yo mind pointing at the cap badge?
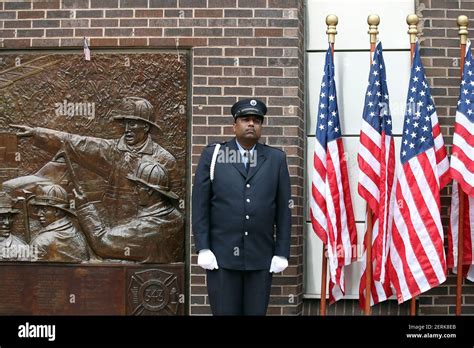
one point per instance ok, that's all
(253, 102)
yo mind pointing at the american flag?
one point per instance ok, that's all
(376, 176)
(331, 210)
(416, 252)
(462, 170)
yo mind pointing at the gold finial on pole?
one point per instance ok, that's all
(373, 20)
(462, 24)
(331, 21)
(412, 21)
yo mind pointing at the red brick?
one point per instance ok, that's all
(30, 14)
(133, 3)
(58, 14)
(133, 42)
(69, 42)
(148, 32)
(30, 32)
(162, 42)
(74, 4)
(16, 43)
(208, 13)
(118, 13)
(45, 43)
(104, 42)
(51, 4)
(88, 32)
(192, 41)
(16, 5)
(148, 13)
(163, 3)
(17, 24)
(221, 3)
(7, 33)
(269, 32)
(104, 3)
(46, 24)
(59, 32)
(104, 22)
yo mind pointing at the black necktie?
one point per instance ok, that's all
(247, 164)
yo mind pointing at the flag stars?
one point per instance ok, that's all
(322, 106)
(418, 68)
(413, 89)
(334, 113)
(323, 95)
(322, 116)
(422, 93)
(331, 98)
(413, 135)
(415, 125)
(415, 79)
(425, 128)
(321, 127)
(411, 145)
(422, 139)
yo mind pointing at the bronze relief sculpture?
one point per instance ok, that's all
(96, 188)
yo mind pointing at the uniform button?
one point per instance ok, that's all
(248, 185)
(248, 200)
(246, 233)
(247, 217)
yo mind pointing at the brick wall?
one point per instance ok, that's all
(440, 52)
(240, 48)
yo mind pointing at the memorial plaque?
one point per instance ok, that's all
(93, 181)
(91, 289)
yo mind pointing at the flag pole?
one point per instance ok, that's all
(373, 21)
(412, 21)
(331, 22)
(462, 22)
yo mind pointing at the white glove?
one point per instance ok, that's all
(207, 259)
(279, 264)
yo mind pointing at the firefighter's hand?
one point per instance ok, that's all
(79, 198)
(23, 131)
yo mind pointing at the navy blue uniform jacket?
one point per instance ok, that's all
(243, 218)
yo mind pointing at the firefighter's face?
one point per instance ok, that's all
(136, 132)
(144, 193)
(47, 215)
(5, 226)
